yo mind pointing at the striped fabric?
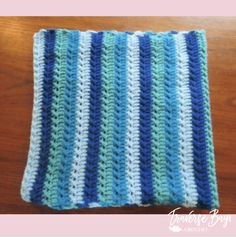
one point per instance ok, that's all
(120, 118)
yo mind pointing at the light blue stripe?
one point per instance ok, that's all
(185, 124)
(35, 137)
(82, 120)
(132, 132)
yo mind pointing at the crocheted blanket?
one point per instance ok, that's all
(120, 118)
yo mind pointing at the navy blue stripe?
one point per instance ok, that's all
(198, 123)
(145, 120)
(70, 119)
(36, 192)
(91, 172)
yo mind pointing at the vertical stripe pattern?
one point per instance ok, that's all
(120, 118)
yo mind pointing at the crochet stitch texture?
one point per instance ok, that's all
(120, 118)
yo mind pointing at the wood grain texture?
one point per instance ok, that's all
(16, 97)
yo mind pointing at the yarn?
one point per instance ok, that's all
(120, 118)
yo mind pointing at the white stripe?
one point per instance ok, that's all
(82, 120)
(132, 134)
(35, 137)
(185, 123)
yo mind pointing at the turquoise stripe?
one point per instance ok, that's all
(119, 124)
(64, 200)
(171, 122)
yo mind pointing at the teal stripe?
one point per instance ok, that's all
(107, 115)
(161, 191)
